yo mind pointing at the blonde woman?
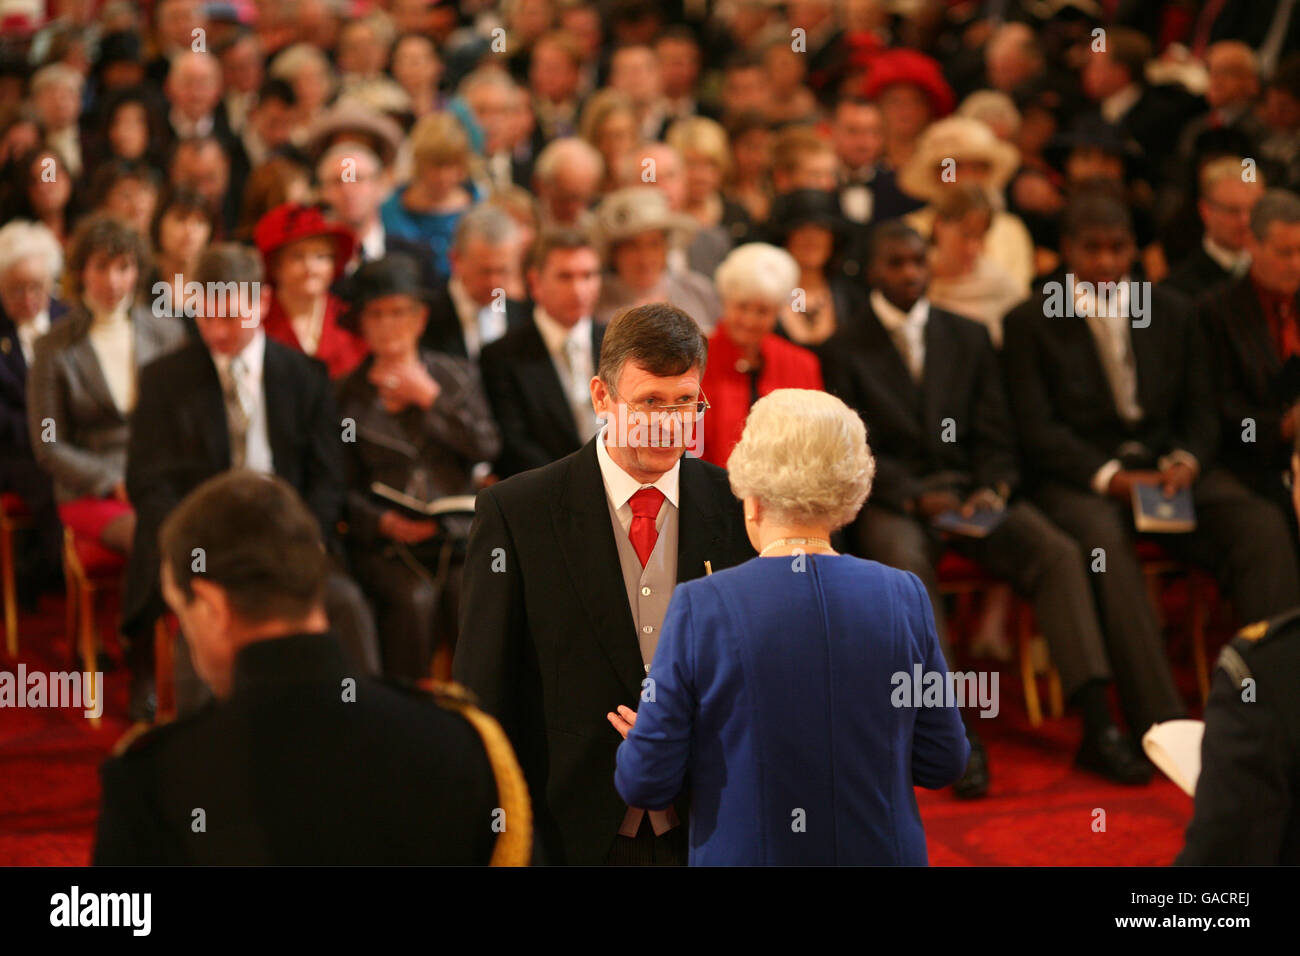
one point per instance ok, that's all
(427, 208)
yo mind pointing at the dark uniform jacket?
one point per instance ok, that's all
(291, 769)
(1246, 796)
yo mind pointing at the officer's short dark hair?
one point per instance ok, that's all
(659, 337)
(1092, 205)
(252, 535)
(882, 234)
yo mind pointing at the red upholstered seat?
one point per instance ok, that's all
(958, 567)
(1149, 550)
(96, 560)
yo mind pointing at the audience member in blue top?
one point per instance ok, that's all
(775, 687)
(428, 208)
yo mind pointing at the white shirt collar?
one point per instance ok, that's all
(894, 318)
(620, 486)
(1228, 260)
(467, 309)
(252, 355)
(556, 335)
(29, 332)
(1120, 102)
(372, 243)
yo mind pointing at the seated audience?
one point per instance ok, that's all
(635, 230)
(81, 391)
(411, 781)
(1251, 321)
(1114, 391)
(538, 375)
(928, 385)
(1227, 199)
(422, 424)
(809, 225)
(427, 208)
(759, 668)
(472, 310)
(30, 263)
(747, 359)
(964, 279)
(303, 253)
(181, 230)
(233, 398)
(964, 150)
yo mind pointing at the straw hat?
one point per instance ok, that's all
(962, 139)
(633, 210)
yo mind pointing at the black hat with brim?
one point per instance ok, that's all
(394, 274)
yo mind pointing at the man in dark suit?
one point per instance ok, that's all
(1246, 807)
(234, 399)
(568, 577)
(1253, 333)
(1153, 115)
(928, 387)
(303, 761)
(353, 184)
(1227, 199)
(30, 261)
(1110, 387)
(537, 375)
(194, 91)
(470, 311)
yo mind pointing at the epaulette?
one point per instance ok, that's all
(514, 846)
(1232, 657)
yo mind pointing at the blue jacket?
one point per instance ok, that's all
(771, 691)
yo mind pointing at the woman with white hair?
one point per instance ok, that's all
(30, 262)
(778, 685)
(747, 359)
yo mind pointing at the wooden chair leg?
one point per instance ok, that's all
(86, 634)
(1055, 699)
(10, 589)
(1025, 651)
(164, 674)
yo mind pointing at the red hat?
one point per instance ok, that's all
(290, 222)
(891, 67)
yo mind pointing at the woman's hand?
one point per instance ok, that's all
(404, 384)
(623, 721)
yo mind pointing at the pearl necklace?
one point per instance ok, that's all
(780, 541)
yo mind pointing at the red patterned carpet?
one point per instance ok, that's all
(1040, 811)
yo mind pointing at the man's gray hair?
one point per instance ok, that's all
(490, 224)
(563, 152)
(1276, 205)
(21, 240)
(229, 262)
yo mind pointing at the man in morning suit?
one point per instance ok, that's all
(1247, 812)
(929, 388)
(568, 577)
(1253, 332)
(470, 310)
(537, 377)
(234, 399)
(1110, 387)
(300, 762)
(1225, 206)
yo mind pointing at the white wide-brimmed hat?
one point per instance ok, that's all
(959, 138)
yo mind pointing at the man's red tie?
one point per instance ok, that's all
(645, 508)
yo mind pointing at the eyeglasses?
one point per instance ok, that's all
(687, 410)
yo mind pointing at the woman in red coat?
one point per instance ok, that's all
(304, 254)
(747, 359)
